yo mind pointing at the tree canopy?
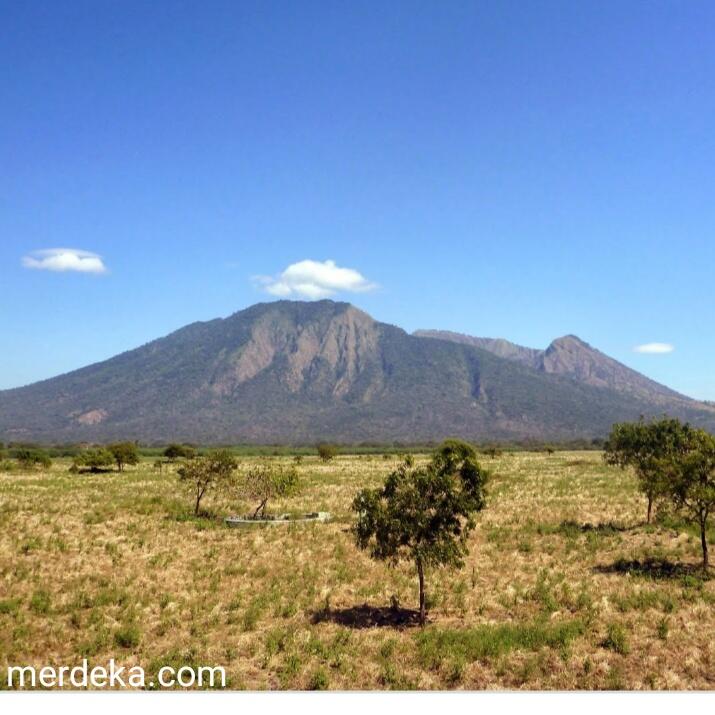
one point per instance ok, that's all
(645, 446)
(690, 479)
(177, 451)
(124, 453)
(93, 460)
(32, 457)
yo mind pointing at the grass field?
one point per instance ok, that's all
(564, 586)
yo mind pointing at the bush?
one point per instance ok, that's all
(93, 460)
(40, 602)
(616, 639)
(326, 452)
(177, 451)
(318, 681)
(29, 458)
(128, 637)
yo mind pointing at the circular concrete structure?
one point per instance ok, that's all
(241, 521)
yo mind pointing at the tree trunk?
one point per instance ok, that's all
(650, 506)
(704, 543)
(421, 575)
(198, 501)
(261, 507)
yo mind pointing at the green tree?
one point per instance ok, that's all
(214, 470)
(189, 452)
(93, 460)
(124, 453)
(178, 451)
(326, 452)
(423, 514)
(29, 457)
(644, 446)
(267, 481)
(691, 483)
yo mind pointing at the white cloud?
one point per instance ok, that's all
(313, 280)
(654, 348)
(64, 259)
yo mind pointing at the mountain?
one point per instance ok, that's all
(296, 372)
(574, 358)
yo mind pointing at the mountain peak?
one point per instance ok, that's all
(569, 341)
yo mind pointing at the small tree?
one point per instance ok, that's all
(177, 451)
(423, 514)
(189, 452)
(691, 483)
(267, 481)
(211, 471)
(644, 446)
(326, 452)
(124, 453)
(93, 460)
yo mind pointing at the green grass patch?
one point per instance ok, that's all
(436, 646)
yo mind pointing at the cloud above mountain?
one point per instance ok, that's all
(654, 348)
(314, 280)
(64, 259)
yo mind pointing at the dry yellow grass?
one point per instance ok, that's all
(551, 596)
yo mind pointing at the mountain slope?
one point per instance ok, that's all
(297, 372)
(572, 357)
(497, 346)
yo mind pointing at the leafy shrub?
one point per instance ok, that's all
(128, 636)
(29, 458)
(616, 639)
(326, 452)
(177, 451)
(40, 602)
(318, 681)
(93, 460)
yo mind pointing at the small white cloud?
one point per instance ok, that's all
(654, 348)
(314, 280)
(64, 259)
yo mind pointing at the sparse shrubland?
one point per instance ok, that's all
(563, 587)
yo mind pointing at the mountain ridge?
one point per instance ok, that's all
(292, 371)
(569, 355)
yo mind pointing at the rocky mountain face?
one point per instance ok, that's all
(297, 372)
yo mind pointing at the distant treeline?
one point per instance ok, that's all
(12, 449)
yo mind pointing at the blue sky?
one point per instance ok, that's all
(512, 169)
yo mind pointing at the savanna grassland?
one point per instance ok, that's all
(565, 587)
